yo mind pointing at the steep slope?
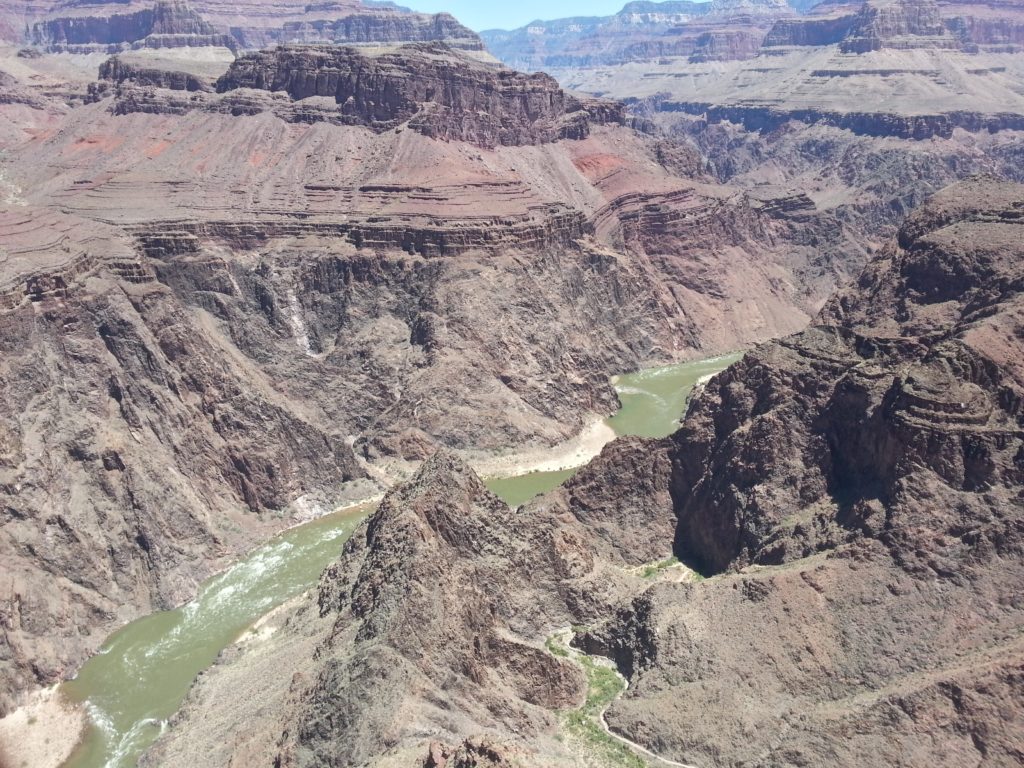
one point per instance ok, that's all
(864, 479)
(136, 456)
(418, 249)
(430, 628)
(853, 493)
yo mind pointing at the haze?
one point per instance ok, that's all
(480, 16)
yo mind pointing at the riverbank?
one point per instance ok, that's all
(573, 453)
(137, 682)
(42, 733)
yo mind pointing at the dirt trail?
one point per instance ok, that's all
(565, 637)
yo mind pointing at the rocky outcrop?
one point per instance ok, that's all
(416, 619)
(378, 28)
(442, 94)
(857, 487)
(115, 71)
(431, 627)
(167, 24)
(905, 24)
(810, 31)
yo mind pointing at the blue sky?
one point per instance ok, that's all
(493, 14)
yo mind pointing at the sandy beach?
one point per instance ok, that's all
(42, 733)
(574, 452)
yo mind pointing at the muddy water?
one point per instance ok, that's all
(651, 403)
(142, 673)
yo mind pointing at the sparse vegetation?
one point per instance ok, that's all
(654, 569)
(603, 687)
(555, 648)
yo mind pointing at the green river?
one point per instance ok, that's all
(651, 402)
(142, 673)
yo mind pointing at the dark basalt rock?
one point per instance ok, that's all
(114, 70)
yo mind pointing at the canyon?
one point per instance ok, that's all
(260, 261)
(237, 301)
(856, 487)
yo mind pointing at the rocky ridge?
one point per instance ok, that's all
(711, 31)
(858, 488)
(906, 68)
(431, 88)
(433, 622)
(166, 24)
(853, 494)
(241, 269)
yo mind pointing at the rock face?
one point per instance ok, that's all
(114, 70)
(446, 96)
(859, 488)
(134, 457)
(93, 25)
(166, 24)
(854, 494)
(717, 31)
(433, 621)
(349, 292)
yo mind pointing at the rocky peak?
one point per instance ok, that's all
(428, 604)
(905, 399)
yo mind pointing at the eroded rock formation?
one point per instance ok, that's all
(347, 291)
(859, 487)
(94, 25)
(434, 620)
(853, 494)
(447, 96)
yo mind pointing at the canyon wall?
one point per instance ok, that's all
(851, 494)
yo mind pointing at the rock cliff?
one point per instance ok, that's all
(445, 95)
(166, 24)
(430, 629)
(94, 25)
(858, 487)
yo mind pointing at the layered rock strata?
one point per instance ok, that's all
(82, 27)
(858, 489)
(166, 24)
(853, 494)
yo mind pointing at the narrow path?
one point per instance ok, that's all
(632, 744)
(565, 637)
